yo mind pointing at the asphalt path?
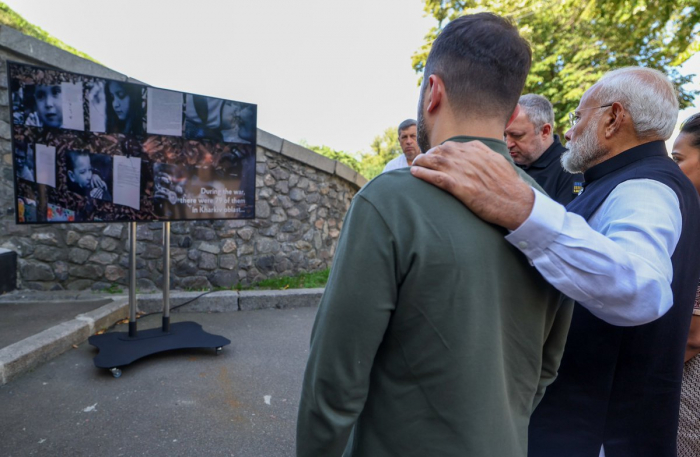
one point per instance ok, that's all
(189, 402)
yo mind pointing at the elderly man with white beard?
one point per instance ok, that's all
(625, 249)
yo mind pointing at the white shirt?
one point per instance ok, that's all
(396, 163)
(618, 264)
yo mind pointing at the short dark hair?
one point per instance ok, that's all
(73, 158)
(691, 126)
(483, 62)
(406, 124)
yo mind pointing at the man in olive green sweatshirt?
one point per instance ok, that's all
(435, 337)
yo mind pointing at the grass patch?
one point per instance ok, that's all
(11, 19)
(311, 280)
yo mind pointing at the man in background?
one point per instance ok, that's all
(535, 148)
(409, 146)
(434, 337)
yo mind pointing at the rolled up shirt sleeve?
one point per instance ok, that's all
(618, 267)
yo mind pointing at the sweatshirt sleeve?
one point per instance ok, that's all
(350, 324)
(554, 348)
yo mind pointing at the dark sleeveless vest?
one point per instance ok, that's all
(620, 386)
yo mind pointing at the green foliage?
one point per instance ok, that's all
(11, 19)
(340, 156)
(384, 148)
(311, 280)
(113, 289)
(575, 42)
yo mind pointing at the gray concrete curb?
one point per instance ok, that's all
(29, 353)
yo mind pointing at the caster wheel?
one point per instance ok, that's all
(116, 372)
(219, 350)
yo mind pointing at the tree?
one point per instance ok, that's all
(384, 148)
(340, 156)
(575, 42)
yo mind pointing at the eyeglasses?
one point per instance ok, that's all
(574, 118)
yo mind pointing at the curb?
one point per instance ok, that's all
(230, 301)
(35, 350)
(30, 352)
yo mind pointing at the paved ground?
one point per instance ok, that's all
(22, 319)
(182, 403)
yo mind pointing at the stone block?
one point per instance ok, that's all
(36, 271)
(114, 273)
(269, 141)
(204, 234)
(229, 246)
(210, 248)
(48, 253)
(262, 209)
(89, 271)
(264, 246)
(264, 299)
(104, 258)
(345, 172)
(88, 242)
(207, 261)
(109, 244)
(228, 261)
(47, 238)
(224, 278)
(72, 237)
(196, 282)
(246, 233)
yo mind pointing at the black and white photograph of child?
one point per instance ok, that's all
(97, 105)
(124, 108)
(238, 122)
(219, 120)
(89, 175)
(17, 94)
(169, 187)
(44, 104)
(24, 161)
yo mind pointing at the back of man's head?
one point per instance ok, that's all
(647, 95)
(538, 109)
(483, 62)
(406, 124)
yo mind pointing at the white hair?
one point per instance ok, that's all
(645, 93)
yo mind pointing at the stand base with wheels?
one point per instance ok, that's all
(119, 349)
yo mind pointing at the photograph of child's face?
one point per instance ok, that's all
(120, 101)
(24, 158)
(89, 175)
(81, 174)
(49, 105)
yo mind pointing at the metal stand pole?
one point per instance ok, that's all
(132, 279)
(118, 349)
(166, 277)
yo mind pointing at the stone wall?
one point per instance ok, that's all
(301, 199)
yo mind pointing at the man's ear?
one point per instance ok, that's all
(546, 130)
(516, 111)
(436, 91)
(614, 122)
(71, 175)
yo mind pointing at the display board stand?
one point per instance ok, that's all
(118, 348)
